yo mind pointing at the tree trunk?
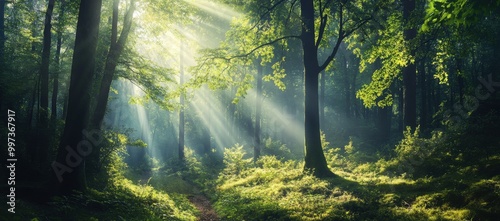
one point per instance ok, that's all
(315, 159)
(34, 27)
(55, 86)
(43, 140)
(400, 108)
(347, 85)
(114, 53)
(44, 69)
(65, 104)
(181, 113)
(322, 100)
(82, 72)
(423, 96)
(258, 111)
(115, 50)
(409, 72)
(460, 80)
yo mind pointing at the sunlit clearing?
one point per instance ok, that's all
(214, 8)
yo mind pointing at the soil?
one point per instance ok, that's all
(205, 207)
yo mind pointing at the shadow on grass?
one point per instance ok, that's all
(455, 194)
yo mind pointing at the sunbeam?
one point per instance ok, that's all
(215, 8)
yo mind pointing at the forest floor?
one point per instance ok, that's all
(204, 205)
(278, 189)
(199, 200)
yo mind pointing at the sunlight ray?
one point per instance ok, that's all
(277, 117)
(214, 8)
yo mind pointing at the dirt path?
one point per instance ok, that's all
(205, 207)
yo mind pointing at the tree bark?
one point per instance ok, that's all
(347, 87)
(181, 113)
(314, 159)
(44, 69)
(258, 111)
(322, 100)
(43, 115)
(55, 86)
(423, 96)
(409, 72)
(82, 72)
(114, 53)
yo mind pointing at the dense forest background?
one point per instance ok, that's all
(250, 110)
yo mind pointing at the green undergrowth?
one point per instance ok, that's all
(367, 187)
(116, 194)
(421, 178)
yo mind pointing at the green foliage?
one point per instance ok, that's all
(456, 12)
(392, 51)
(275, 190)
(234, 159)
(277, 148)
(154, 80)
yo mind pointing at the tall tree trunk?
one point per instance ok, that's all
(43, 140)
(409, 72)
(423, 96)
(82, 72)
(460, 79)
(65, 105)
(55, 88)
(400, 108)
(258, 111)
(44, 68)
(181, 113)
(115, 50)
(114, 53)
(314, 159)
(356, 108)
(347, 85)
(34, 25)
(429, 94)
(207, 144)
(322, 100)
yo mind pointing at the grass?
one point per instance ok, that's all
(437, 185)
(366, 189)
(125, 201)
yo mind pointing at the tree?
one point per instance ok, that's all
(55, 86)
(182, 103)
(44, 85)
(409, 71)
(82, 72)
(116, 48)
(258, 113)
(114, 53)
(44, 68)
(323, 24)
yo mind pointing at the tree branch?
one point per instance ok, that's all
(258, 47)
(339, 40)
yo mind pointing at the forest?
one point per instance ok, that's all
(250, 110)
